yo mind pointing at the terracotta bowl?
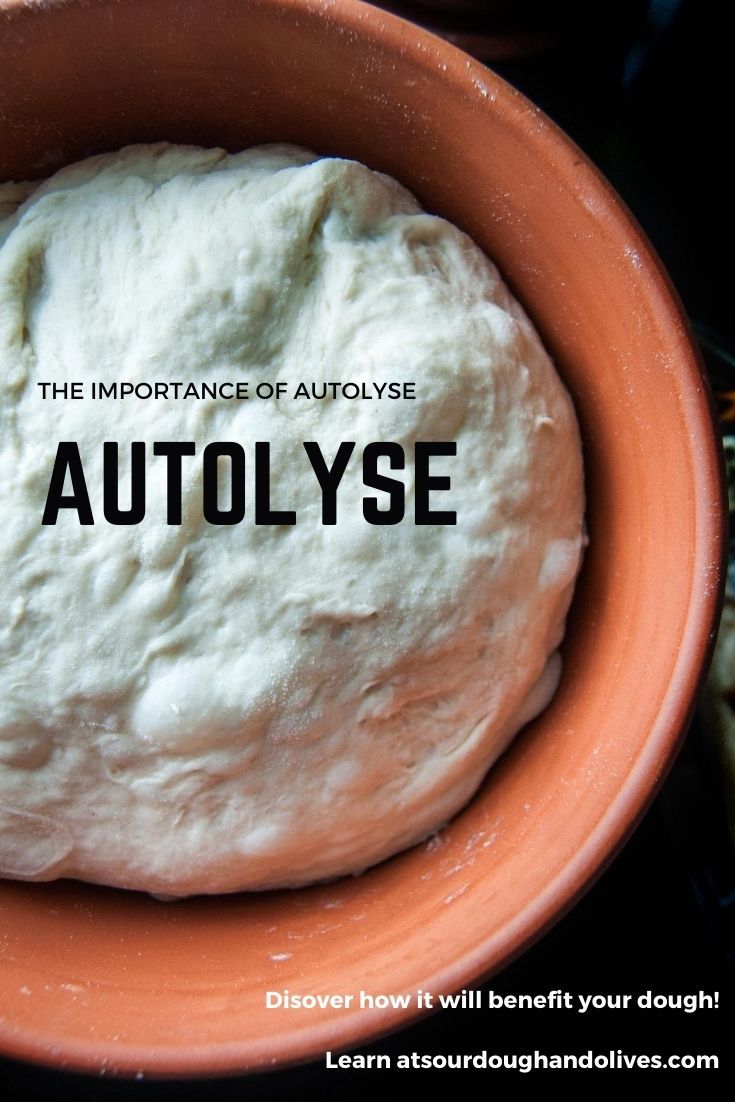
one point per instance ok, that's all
(97, 978)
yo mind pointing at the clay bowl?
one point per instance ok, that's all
(97, 978)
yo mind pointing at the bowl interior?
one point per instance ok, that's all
(101, 978)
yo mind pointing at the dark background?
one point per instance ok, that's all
(644, 88)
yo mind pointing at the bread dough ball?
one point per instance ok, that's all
(206, 708)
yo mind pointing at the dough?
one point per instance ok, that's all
(207, 708)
